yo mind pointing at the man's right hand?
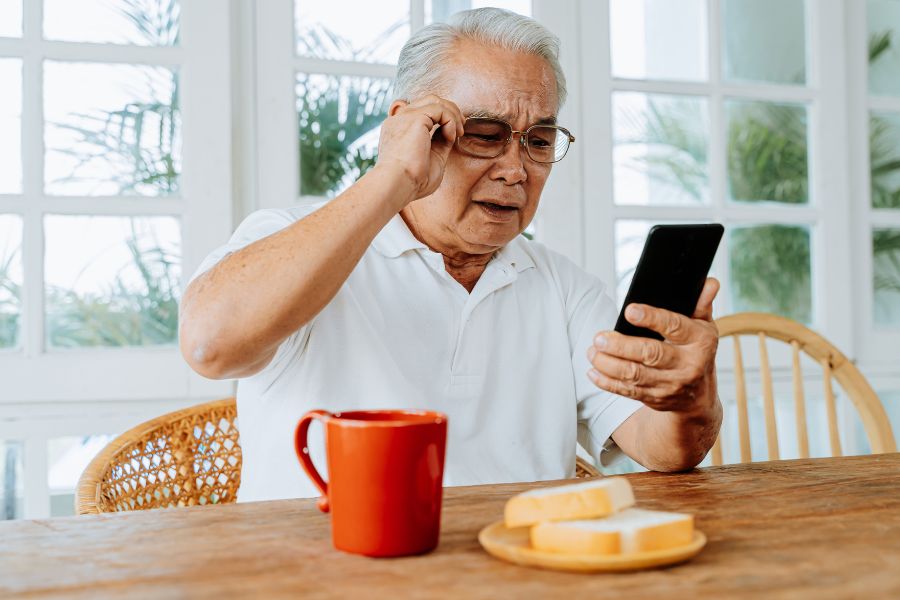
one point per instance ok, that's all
(417, 138)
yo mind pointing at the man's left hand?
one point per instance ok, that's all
(668, 375)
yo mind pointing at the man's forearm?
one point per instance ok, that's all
(672, 440)
(234, 316)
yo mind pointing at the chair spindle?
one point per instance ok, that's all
(830, 408)
(768, 399)
(741, 385)
(800, 403)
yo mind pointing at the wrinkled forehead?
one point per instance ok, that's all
(493, 82)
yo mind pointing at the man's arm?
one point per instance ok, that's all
(675, 379)
(234, 316)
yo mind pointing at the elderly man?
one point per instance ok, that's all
(414, 289)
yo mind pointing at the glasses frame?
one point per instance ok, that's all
(522, 135)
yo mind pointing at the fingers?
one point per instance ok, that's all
(704, 304)
(672, 326)
(444, 114)
(652, 353)
(635, 374)
(647, 395)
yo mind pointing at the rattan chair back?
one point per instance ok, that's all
(183, 458)
(835, 366)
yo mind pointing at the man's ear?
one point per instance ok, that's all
(396, 105)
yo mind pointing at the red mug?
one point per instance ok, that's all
(386, 470)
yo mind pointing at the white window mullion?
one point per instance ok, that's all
(206, 114)
(717, 159)
(829, 175)
(883, 217)
(597, 160)
(873, 348)
(737, 214)
(416, 15)
(35, 469)
(32, 323)
(560, 219)
(207, 174)
(110, 53)
(276, 106)
(884, 104)
(112, 205)
(770, 93)
(11, 48)
(303, 64)
(244, 86)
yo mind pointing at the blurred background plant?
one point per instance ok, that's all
(10, 297)
(338, 122)
(338, 118)
(767, 162)
(125, 313)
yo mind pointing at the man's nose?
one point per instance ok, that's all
(510, 165)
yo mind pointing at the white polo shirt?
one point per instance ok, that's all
(506, 363)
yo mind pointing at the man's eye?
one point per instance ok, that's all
(538, 143)
(484, 137)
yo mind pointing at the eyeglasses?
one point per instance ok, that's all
(487, 138)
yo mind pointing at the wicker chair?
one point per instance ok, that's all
(183, 458)
(834, 366)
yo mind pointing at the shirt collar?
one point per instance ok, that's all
(515, 254)
(396, 238)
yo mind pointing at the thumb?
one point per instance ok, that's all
(703, 309)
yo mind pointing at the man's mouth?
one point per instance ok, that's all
(496, 207)
(500, 213)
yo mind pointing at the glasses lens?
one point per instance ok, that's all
(484, 137)
(547, 144)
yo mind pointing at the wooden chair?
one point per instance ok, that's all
(183, 458)
(834, 366)
(584, 469)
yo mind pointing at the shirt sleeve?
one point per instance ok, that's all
(599, 412)
(256, 226)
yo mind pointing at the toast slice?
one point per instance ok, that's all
(632, 530)
(597, 498)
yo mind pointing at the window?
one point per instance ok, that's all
(342, 71)
(715, 129)
(115, 184)
(883, 29)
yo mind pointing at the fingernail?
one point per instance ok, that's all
(600, 342)
(591, 353)
(593, 374)
(635, 313)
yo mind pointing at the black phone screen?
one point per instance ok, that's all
(671, 271)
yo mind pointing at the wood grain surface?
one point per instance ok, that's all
(820, 528)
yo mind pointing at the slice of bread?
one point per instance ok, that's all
(632, 530)
(597, 498)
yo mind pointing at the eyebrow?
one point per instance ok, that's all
(486, 114)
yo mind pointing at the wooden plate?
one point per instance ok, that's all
(514, 546)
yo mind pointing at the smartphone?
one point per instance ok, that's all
(671, 271)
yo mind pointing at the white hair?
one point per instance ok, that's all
(419, 69)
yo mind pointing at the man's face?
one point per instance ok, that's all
(521, 90)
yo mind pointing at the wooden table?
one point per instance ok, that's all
(811, 528)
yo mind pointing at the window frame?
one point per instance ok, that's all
(878, 348)
(51, 392)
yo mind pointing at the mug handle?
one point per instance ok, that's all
(303, 454)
